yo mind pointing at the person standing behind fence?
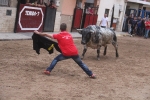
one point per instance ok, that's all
(133, 26)
(104, 21)
(130, 18)
(143, 27)
(50, 3)
(147, 28)
(138, 31)
(124, 23)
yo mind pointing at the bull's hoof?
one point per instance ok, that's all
(98, 59)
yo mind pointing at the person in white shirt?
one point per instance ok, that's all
(104, 21)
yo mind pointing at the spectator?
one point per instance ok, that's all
(104, 21)
(31, 1)
(129, 20)
(133, 26)
(49, 3)
(124, 23)
(41, 3)
(138, 31)
(36, 2)
(143, 27)
(147, 28)
(88, 10)
(52, 4)
(92, 11)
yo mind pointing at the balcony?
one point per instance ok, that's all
(144, 2)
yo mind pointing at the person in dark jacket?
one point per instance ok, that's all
(138, 31)
(143, 27)
(133, 26)
(68, 48)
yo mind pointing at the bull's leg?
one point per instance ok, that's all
(98, 52)
(84, 51)
(105, 50)
(116, 48)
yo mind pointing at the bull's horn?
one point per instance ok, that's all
(79, 29)
(91, 31)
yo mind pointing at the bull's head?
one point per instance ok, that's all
(86, 35)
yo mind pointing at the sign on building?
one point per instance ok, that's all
(30, 18)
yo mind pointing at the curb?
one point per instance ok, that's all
(28, 36)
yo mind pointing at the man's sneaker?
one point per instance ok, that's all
(93, 76)
(47, 72)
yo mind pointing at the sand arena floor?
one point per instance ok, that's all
(123, 78)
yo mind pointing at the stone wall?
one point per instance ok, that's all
(7, 21)
(68, 20)
(13, 3)
(57, 22)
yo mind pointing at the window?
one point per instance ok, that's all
(8, 12)
(4, 2)
(107, 11)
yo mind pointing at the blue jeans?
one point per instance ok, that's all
(146, 33)
(75, 58)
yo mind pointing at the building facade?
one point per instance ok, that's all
(8, 10)
(121, 8)
(16, 14)
(65, 13)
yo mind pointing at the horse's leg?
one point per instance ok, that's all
(116, 48)
(84, 51)
(98, 52)
(105, 50)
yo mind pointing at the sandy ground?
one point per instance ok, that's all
(123, 78)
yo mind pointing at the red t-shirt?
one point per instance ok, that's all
(66, 44)
(147, 24)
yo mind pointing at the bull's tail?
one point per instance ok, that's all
(114, 43)
(115, 37)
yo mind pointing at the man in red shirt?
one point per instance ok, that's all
(68, 48)
(147, 28)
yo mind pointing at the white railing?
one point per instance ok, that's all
(147, 2)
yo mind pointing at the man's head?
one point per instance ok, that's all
(63, 27)
(139, 17)
(135, 17)
(105, 15)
